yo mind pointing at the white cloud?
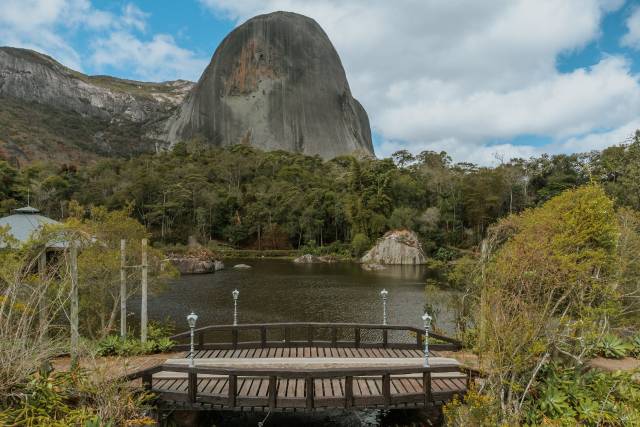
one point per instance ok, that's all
(159, 58)
(119, 41)
(632, 37)
(460, 74)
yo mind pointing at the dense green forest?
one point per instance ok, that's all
(279, 200)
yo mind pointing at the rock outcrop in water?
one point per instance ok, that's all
(276, 83)
(396, 247)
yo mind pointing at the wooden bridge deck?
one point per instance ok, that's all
(271, 376)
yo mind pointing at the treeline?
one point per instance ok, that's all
(278, 200)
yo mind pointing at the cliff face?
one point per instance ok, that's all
(276, 83)
(50, 112)
(32, 76)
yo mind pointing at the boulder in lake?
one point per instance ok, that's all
(313, 259)
(193, 265)
(396, 247)
(242, 267)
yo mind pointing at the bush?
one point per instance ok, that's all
(570, 396)
(73, 399)
(612, 347)
(158, 341)
(359, 244)
(635, 346)
(446, 254)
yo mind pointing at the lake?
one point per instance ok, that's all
(283, 291)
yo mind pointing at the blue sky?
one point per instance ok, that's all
(480, 80)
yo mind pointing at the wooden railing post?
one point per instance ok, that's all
(348, 392)
(200, 341)
(426, 387)
(147, 381)
(263, 337)
(234, 338)
(193, 386)
(334, 336)
(287, 338)
(386, 389)
(357, 337)
(233, 386)
(272, 392)
(310, 335)
(308, 382)
(385, 338)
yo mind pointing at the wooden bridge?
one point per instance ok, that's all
(308, 366)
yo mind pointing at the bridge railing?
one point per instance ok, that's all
(306, 396)
(310, 334)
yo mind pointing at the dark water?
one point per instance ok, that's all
(282, 291)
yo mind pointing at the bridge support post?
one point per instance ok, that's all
(357, 337)
(193, 386)
(308, 383)
(273, 392)
(426, 387)
(233, 390)
(348, 392)
(200, 340)
(385, 338)
(386, 390)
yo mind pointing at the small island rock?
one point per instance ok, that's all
(396, 247)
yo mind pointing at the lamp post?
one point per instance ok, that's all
(383, 294)
(427, 324)
(235, 294)
(191, 319)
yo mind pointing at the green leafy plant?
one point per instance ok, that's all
(635, 346)
(612, 347)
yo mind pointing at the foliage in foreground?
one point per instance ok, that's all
(72, 398)
(158, 341)
(551, 283)
(563, 396)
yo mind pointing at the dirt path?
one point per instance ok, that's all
(106, 368)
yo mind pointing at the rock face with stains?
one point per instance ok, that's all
(396, 247)
(276, 83)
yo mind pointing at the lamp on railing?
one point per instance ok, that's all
(383, 294)
(427, 324)
(235, 294)
(192, 319)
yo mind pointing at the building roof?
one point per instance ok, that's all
(26, 221)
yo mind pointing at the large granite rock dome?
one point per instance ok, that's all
(276, 82)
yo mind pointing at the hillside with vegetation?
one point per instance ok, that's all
(277, 200)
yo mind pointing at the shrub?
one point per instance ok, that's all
(635, 346)
(73, 399)
(612, 347)
(359, 244)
